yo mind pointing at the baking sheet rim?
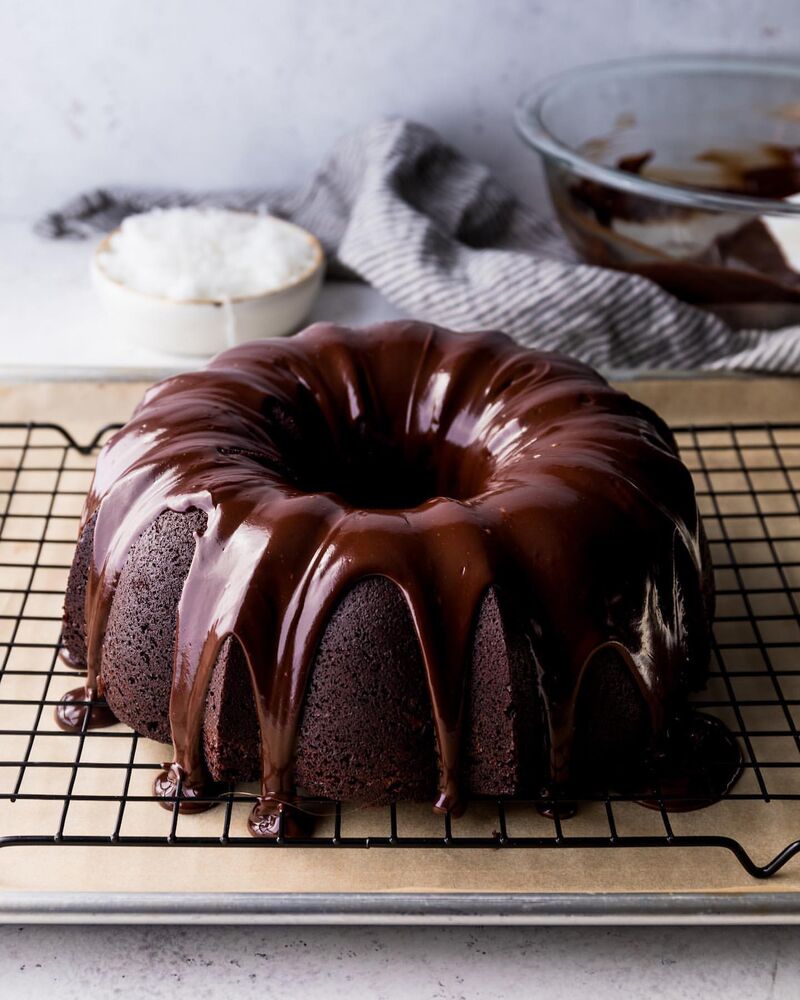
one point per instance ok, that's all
(401, 908)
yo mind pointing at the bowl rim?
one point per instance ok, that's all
(531, 128)
(313, 269)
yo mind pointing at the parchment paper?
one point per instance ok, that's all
(763, 828)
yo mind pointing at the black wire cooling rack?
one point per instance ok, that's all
(94, 787)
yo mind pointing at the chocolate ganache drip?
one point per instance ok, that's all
(447, 463)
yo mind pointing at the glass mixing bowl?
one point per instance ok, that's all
(681, 169)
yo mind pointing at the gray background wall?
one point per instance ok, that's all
(224, 92)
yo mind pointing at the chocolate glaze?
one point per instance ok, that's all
(194, 798)
(696, 763)
(72, 711)
(446, 462)
(69, 660)
(562, 808)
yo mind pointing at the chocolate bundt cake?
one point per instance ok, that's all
(389, 563)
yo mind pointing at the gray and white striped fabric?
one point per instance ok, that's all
(442, 240)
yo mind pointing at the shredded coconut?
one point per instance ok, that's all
(206, 253)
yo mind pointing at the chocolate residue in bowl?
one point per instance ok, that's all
(707, 258)
(769, 171)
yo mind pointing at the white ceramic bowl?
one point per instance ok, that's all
(206, 326)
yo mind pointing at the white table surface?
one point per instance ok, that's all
(50, 320)
(404, 963)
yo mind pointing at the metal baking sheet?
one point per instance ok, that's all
(669, 885)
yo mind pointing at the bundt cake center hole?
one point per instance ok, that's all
(379, 476)
(385, 484)
(366, 463)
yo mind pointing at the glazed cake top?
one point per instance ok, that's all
(448, 463)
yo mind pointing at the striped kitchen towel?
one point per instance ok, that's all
(434, 232)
